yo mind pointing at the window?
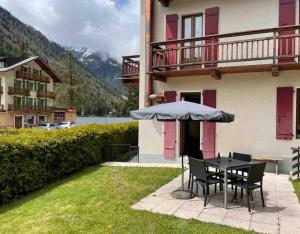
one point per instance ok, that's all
(31, 119)
(42, 119)
(24, 84)
(2, 64)
(35, 87)
(192, 26)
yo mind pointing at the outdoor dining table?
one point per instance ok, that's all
(224, 165)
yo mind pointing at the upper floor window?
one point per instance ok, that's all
(192, 26)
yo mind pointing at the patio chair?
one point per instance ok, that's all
(241, 157)
(251, 182)
(197, 155)
(202, 177)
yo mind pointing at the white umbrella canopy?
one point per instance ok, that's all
(181, 111)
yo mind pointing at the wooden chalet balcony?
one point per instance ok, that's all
(28, 108)
(18, 91)
(45, 94)
(131, 70)
(271, 50)
(29, 76)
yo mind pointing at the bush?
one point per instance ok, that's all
(31, 158)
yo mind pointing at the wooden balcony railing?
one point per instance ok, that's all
(29, 108)
(18, 91)
(131, 66)
(29, 76)
(267, 46)
(45, 94)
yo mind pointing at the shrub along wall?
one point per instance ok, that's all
(31, 158)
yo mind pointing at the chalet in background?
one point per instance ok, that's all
(27, 96)
(240, 56)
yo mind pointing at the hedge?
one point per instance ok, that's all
(32, 158)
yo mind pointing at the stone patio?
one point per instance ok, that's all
(281, 215)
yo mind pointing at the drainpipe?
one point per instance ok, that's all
(148, 39)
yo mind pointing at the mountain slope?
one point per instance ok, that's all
(91, 94)
(100, 64)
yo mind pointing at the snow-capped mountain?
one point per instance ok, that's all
(99, 63)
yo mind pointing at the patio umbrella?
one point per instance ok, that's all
(182, 111)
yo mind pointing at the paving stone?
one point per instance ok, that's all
(264, 228)
(238, 223)
(186, 214)
(193, 205)
(211, 218)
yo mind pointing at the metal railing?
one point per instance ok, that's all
(121, 152)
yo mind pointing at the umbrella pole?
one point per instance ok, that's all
(182, 193)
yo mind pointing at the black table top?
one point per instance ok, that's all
(225, 164)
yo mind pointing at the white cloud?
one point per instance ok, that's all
(101, 25)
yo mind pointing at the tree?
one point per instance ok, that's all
(133, 99)
(23, 50)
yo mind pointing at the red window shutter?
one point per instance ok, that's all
(287, 17)
(211, 28)
(209, 129)
(284, 116)
(170, 130)
(171, 34)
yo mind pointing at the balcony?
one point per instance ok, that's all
(18, 91)
(28, 108)
(131, 70)
(250, 51)
(45, 94)
(29, 76)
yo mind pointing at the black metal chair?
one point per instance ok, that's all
(197, 155)
(241, 157)
(202, 177)
(252, 181)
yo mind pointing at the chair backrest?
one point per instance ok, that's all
(242, 157)
(256, 173)
(198, 154)
(198, 168)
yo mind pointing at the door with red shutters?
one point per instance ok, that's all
(284, 113)
(211, 28)
(170, 130)
(209, 129)
(171, 34)
(287, 17)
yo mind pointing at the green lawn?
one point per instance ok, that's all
(98, 200)
(296, 184)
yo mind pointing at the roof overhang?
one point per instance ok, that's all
(40, 62)
(165, 2)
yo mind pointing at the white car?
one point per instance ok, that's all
(66, 124)
(47, 126)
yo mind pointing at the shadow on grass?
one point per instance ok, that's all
(13, 204)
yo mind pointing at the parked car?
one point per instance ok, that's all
(66, 124)
(48, 126)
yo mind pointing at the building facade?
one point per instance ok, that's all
(27, 96)
(239, 56)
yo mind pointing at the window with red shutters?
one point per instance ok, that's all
(284, 116)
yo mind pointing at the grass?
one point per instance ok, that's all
(98, 200)
(296, 184)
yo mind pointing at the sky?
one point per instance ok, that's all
(109, 26)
